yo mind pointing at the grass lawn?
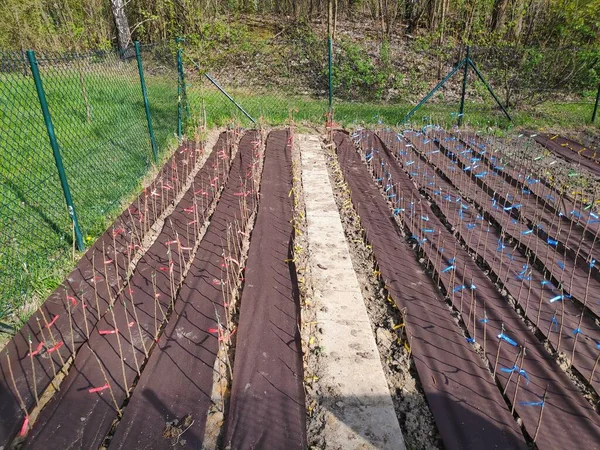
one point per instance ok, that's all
(275, 109)
(98, 114)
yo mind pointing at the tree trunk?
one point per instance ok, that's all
(330, 19)
(498, 14)
(432, 7)
(519, 10)
(123, 33)
(381, 11)
(441, 40)
(335, 17)
(469, 23)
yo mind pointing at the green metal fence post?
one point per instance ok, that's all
(330, 59)
(461, 113)
(138, 56)
(186, 106)
(180, 88)
(596, 106)
(55, 149)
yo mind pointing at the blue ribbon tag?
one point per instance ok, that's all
(505, 338)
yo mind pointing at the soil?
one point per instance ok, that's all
(175, 429)
(315, 421)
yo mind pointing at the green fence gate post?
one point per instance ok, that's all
(461, 113)
(55, 149)
(138, 56)
(596, 105)
(180, 88)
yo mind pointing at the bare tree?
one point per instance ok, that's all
(123, 33)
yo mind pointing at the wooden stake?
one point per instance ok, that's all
(52, 363)
(512, 372)
(118, 333)
(14, 383)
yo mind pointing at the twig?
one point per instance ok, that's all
(498, 354)
(112, 395)
(539, 423)
(35, 392)
(523, 352)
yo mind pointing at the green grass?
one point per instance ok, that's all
(275, 109)
(103, 137)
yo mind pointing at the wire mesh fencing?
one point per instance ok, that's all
(96, 105)
(558, 85)
(371, 83)
(379, 82)
(382, 81)
(278, 82)
(161, 74)
(285, 78)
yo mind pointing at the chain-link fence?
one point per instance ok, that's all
(97, 109)
(556, 84)
(273, 82)
(376, 81)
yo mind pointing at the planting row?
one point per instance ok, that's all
(199, 325)
(144, 356)
(491, 233)
(41, 348)
(571, 151)
(448, 368)
(107, 368)
(530, 383)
